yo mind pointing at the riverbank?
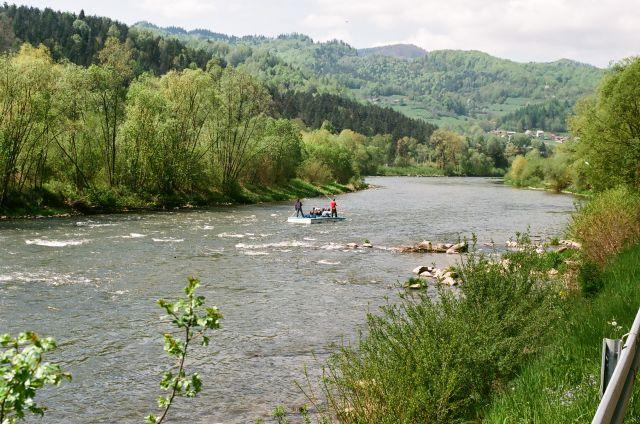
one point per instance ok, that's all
(562, 384)
(50, 203)
(521, 338)
(549, 189)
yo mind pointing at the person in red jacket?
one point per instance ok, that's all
(334, 210)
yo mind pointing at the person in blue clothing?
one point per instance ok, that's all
(298, 207)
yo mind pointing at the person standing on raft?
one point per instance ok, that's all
(334, 210)
(298, 207)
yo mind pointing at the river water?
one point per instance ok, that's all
(289, 293)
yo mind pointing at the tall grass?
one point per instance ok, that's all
(439, 361)
(561, 386)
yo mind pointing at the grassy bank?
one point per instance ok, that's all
(562, 384)
(56, 201)
(519, 341)
(441, 360)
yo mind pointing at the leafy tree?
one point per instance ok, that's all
(191, 317)
(283, 156)
(236, 129)
(26, 115)
(108, 91)
(163, 130)
(608, 126)
(22, 372)
(449, 148)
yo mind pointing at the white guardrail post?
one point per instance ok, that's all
(616, 396)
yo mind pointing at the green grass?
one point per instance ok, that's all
(561, 385)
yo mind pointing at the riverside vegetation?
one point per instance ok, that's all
(517, 343)
(103, 116)
(604, 153)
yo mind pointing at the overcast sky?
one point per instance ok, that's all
(592, 31)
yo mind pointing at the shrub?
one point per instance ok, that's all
(590, 279)
(438, 361)
(23, 372)
(609, 223)
(315, 171)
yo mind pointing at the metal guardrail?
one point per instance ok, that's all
(613, 404)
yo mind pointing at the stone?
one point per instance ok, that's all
(440, 248)
(450, 274)
(426, 274)
(553, 271)
(420, 269)
(416, 286)
(562, 249)
(572, 244)
(450, 281)
(368, 245)
(352, 245)
(458, 248)
(425, 245)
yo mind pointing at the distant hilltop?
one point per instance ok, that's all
(400, 51)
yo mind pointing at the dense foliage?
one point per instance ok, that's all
(344, 113)
(80, 38)
(95, 134)
(469, 86)
(550, 115)
(606, 150)
(438, 361)
(562, 384)
(608, 224)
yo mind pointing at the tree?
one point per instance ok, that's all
(284, 154)
(448, 147)
(26, 117)
(79, 158)
(22, 372)
(235, 130)
(608, 126)
(163, 130)
(109, 83)
(190, 316)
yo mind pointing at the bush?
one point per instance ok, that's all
(438, 361)
(561, 384)
(315, 171)
(590, 279)
(609, 223)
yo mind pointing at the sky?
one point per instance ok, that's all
(592, 31)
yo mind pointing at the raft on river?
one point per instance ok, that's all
(314, 219)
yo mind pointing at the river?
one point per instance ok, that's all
(288, 293)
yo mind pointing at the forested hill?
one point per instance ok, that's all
(79, 37)
(401, 51)
(450, 87)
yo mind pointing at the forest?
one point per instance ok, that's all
(99, 115)
(460, 89)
